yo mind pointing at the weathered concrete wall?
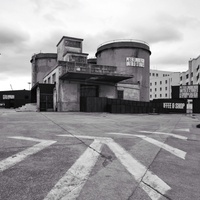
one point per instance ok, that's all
(131, 92)
(41, 65)
(69, 96)
(107, 91)
(115, 54)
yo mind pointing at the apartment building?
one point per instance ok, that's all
(161, 82)
(191, 76)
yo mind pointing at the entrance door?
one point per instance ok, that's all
(46, 102)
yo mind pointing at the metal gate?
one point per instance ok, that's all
(46, 102)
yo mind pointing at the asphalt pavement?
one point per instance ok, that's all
(98, 156)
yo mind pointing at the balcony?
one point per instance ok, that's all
(83, 71)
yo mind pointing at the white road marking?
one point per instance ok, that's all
(16, 158)
(70, 185)
(177, 152)
(140, 172)
(169, 134)
(184, 130)
(146, 179)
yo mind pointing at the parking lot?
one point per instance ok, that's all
(71, 155)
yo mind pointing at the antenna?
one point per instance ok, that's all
(11, 87)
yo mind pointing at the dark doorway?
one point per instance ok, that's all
(46, 102)
(89, 91)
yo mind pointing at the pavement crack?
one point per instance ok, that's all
(79, 139)
(156, 190)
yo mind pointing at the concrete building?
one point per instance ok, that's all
(191, 76)
(130, 57)
(161, 83)
(120, 70)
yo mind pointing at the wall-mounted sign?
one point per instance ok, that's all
(5, 96)
(170, 105)
(134, 62)
(188, 91)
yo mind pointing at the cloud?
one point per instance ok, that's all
(12, 35)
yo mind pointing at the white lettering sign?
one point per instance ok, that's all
(5, 96)
(188, 91)
(169, 105)
(135, 62)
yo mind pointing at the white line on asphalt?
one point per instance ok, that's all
(70, 185)
(177, 152)
(169, 134)
(16, 158)
(146, 179)
(86, 137)
(140, 172)
(183, 129)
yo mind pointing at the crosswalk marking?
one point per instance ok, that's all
(149, 182)
(16, 158)
(177, 152)
(169, 134)
(70, 185)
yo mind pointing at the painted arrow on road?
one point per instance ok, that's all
(16, 158)
(70, 185)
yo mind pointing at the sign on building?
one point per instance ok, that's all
(134, 62)
(170, 105)
(188, 91)
(5, 96)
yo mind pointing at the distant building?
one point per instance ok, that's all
(192, 75)
(161, 83)
(14, 98)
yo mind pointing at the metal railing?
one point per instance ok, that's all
(123, 40)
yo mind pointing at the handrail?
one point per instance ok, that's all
(123, 40)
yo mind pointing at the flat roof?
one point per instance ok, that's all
(93, 77)
(71, 38)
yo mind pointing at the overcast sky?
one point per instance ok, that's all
(170, 27)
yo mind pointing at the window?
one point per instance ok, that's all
(160, 95)
(198, 68)
(165, 88)
(165, 81)
(49, 80)
(120, 94)
(153, 74)
(155, 95)
(150, 84)
(165, 94)
(187, 83)
(191, 74)
(155, 89)
(160, 82)
(150, 96)
(54, 78)
(150, 90)
(198, 77)
(156, 74)
(155, 83)
(187, 75)
(160, 89)
(181, 78)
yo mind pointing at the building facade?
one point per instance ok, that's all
(192, 75)
(161, 83)
(74, 77)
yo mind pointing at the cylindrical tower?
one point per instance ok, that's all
(130, 57)
(41, 64)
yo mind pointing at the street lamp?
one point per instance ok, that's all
(29, 84)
